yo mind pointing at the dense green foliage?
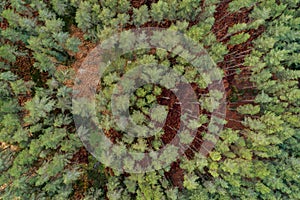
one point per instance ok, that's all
(39, 147)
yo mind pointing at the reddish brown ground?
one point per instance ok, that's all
(4, 24)
(139, 3)
(172, 123)
(84, 48)
(80, 157)
(175, 175)
(236, 83)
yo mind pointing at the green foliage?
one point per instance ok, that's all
(60, 7)
(159, 10)
(159, 113)
(237, 27)
(140, 15)
(237, 5)
(215, 156)
(218, 52)
(39, 108)
(40, 142)
(188, 9)
(72, 44)
(249, 109)
(190, 181)
(39, 150)
(7, 52)
(239, 38)
(83, 15)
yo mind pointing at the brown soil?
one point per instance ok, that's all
(175, 175)
(235, 57)
(24, 67)
(172, 123)
(81, 157)
(4, 24)
(139, 3)
(224, 19)
(113, 135)
(84, 48)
